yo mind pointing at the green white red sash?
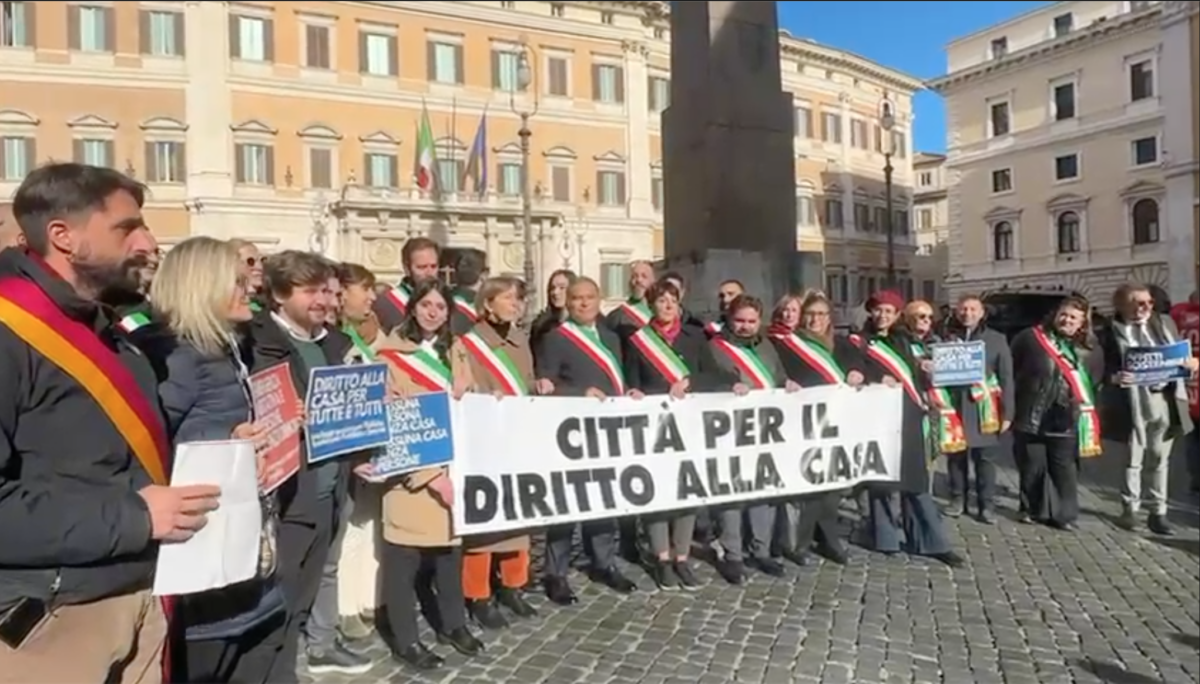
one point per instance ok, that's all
(986, 397)
(589, 343)
(660, 354)
(816, 356)
(497, 362)
(713, 327)
(400, 296)
(360, 344)
(1081, 389)
(952, 436)
(133, 321)
(466, 308)
(423, 367)
(897, 367)
(638, 312)
(748, 362)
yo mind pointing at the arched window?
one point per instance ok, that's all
(1145, 221)
(1068, 232)
(1002, 241)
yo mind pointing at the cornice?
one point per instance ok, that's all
(1096, 34)
(847, 61)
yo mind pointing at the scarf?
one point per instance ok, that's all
(669, 331)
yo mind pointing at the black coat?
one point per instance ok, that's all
(847, 355)
(1044, 403)
(69, 481)
(270, 347)
(761, 346)
(706, 375)
(999, 364)
(560, 360)
(546, 321)
(914, 454)
(461, 322)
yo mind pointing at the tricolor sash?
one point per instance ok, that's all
(497, 362)
(399, 296)
(713, 327)
(748, 362)
(360, 344)
(1081, 389)
(77, 351)
(466, 308)
(660, 354)
(424, 368)
(638, 312)
(952, 437)
(896, 366)
(986, 397)
(133, 321)
(816, 356)
(589, 343)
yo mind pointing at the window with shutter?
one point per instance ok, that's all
(558, 83)
(316, 47)
(320, 167)
(16, 24)
(19, 156)
(560, 181)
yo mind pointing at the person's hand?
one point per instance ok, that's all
(256, 433)
(499, 394)
(301, 411)
(544, 387)
(890, 381)
(1192, 364)
(741, 389)
(635, 394)
(1005, 425)
(1124, 378)
(926, 365)
(443, 490)
(791, 386)
(177, 513)
(458, 392)
(679, 389)
(594, 393)
(855, 378)
(366, 471)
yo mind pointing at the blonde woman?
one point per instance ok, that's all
(200, 293)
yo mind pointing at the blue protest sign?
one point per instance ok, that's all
(958, 363)
(420, 435)
(1156, 365)
(346, 410)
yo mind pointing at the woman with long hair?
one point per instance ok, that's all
(814, 355)
(786, 316)
(1056, 421)
(477, 359)
(909, 520)
(555, 312)
(417, 531)
(201, 291)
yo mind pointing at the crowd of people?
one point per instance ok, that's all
(114, 355)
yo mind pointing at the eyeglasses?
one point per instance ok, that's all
(923, 316)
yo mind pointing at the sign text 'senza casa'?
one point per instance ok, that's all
(592, 459)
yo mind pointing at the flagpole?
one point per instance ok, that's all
(454, 140)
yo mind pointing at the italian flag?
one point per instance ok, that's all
(425, 152)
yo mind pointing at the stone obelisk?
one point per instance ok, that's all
(729, 164)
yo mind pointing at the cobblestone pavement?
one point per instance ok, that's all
(1032, 606)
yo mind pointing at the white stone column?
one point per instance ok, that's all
(637, 137)
(209, 109)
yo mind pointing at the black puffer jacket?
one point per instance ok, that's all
(1044, 404)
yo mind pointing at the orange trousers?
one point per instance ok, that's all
(477, 572)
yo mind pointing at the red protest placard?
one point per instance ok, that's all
(277, 406)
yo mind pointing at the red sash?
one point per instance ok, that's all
(74, 347)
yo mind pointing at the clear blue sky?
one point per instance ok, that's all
(907, 35)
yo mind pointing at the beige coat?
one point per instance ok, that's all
(470, 373)
(412, 513)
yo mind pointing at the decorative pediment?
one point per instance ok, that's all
(162, 123)
(1068, 200)
(508, 148)
(379, 138)
(1002, 213)
(806, 185)
(1143, 189)
(319, 132)
(560, 152)
(16, 117)
(832, 188)
(610, 156)
(253, 126)
(91, 121)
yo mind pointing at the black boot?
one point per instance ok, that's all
(419, 657)
(486, 614)
(461, 640)
(514, 600)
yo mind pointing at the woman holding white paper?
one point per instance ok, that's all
(232, 633)
(416, 506)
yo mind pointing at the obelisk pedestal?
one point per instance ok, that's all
(729, 164)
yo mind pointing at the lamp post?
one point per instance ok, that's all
(887, 120)
(524, 81)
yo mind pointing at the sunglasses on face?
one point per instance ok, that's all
(1144, 302)
(923, 316)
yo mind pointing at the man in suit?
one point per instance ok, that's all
(582, 357)
(986, 411)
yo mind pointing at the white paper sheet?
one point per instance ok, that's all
(226, 550)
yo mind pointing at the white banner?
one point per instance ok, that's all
(527, 462)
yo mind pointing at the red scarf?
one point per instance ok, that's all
(779, 328)
(669, 331)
